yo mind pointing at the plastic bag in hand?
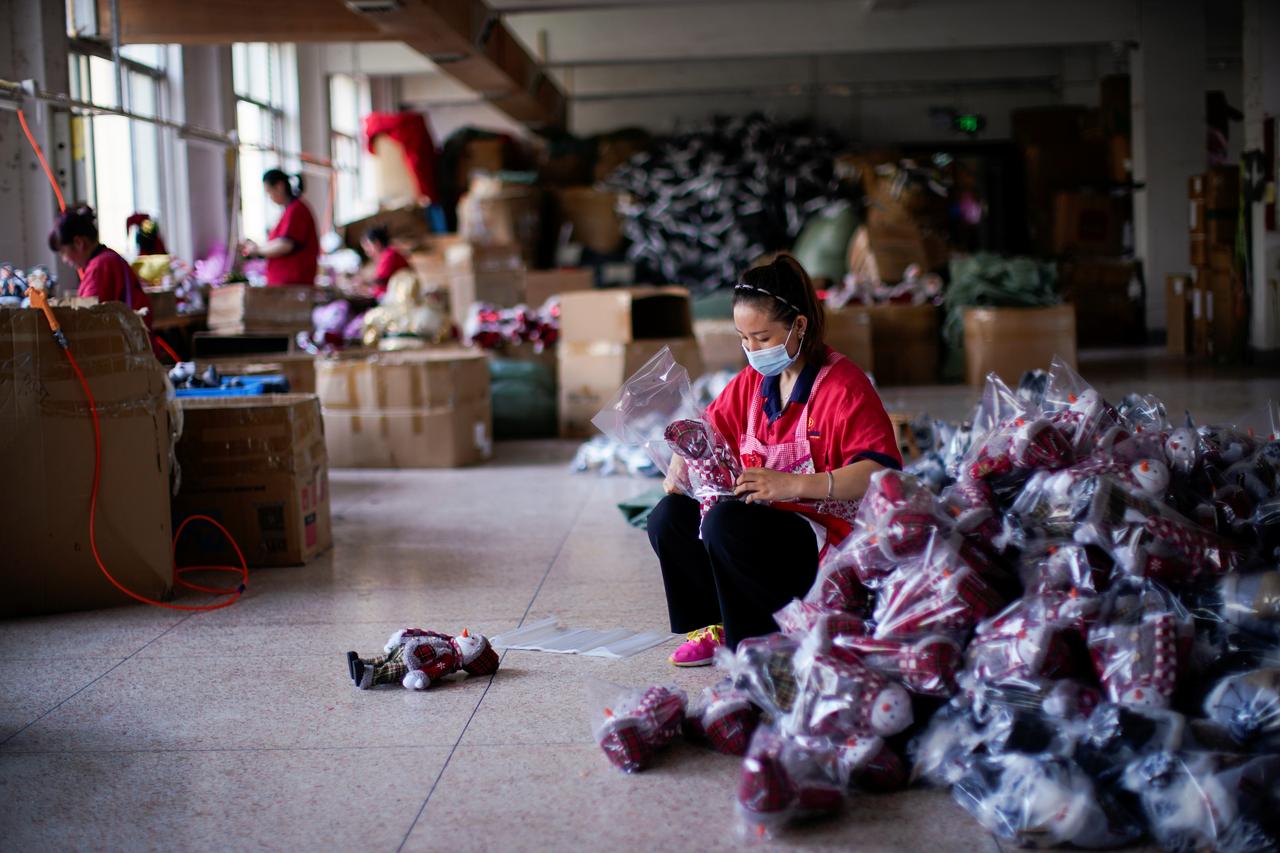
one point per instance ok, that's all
(657, 395)
(1248, 705)
(630, 725)
(944, 592)
(710, 464)
(1041, 801)
(1140, 644)
(1208, 801)
(723, 717)
(786, 777)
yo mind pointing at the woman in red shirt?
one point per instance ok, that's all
(810, 431)
(293, 246)
(377, 244)
(103, 273)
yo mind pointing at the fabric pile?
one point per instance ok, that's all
(1075, 628)
(491, 327)
(707, 202)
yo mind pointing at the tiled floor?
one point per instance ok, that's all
(238, 729)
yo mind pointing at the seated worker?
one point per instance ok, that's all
(810, 431)
(292, 249)
(103, 272)
(377, 244)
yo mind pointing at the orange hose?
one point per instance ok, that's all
(178, 580)
(48, 173)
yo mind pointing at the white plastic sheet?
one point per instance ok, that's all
(547, 635)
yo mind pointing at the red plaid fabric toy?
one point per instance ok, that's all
(712, 466)
(1140, 646)
(786, 777)
(416, 659)
(927, 666)
(635, 724)
(941, 594)
(1025, 642)
(839, 587)
(724, 718)
(842, 697)
(870, 763)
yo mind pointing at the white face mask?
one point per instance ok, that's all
(773, 360)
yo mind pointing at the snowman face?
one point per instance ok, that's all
(471, 646)
(1086, 402)
(1181, 448)
(892, 711)
(1142, 696)
(1152, 476)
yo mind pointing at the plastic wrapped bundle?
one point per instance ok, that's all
(630, 725)
(710, 464)
(1033, 639)
(1140, 645)
(1248, 706)
(724, 718)
(840, 696)
(765, 669)
(944, 592)
(784, 778)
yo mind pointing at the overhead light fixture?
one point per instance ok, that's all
(373, 7)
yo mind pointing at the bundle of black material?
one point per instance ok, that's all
(706, 203)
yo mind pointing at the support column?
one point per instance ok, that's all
(1262, 101)
(205, 98)
(33, 45)
(1168, 77)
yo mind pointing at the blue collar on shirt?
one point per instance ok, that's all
(771, 391)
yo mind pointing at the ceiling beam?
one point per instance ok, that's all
(226, 21)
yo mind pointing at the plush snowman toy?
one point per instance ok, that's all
(1151, 477)
(416, 659)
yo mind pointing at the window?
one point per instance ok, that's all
(120, 162)
(349, 102)
(258, 72)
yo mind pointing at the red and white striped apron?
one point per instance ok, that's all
(832, 520)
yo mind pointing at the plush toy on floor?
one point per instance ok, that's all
(416, 659)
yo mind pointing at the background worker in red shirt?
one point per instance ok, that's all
(103, 272)
(810, 430)
(377, 244)
(293, 246)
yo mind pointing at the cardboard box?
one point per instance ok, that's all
(1109, 298)
(1199, 255)
(884, 249)
(1228, 318)
(412, 409)
(298, 367)
(591, 373)
(849, 332)
(511, 217)
(1201, 312)
(625, 314)
(1195, 219)
(408, 226)
(164, 303)
(257, 465)
(484, 273)
(429, 260)
(541, 285)
(48, 458)
(1087, 224)
(1011, 341)
(1222, 258)
(594, 216)
(905, 344)
(240, 308)
(1177, 299)
(720, 344)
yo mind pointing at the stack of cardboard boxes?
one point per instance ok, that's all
(607, 335)
(906, 223)
(1217, 312)
(236, 309)
(413, 409)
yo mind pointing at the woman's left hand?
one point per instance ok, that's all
(765, 484)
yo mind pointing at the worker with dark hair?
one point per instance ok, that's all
(809, 430)
(293, 246)
(104, 274)
(377, 244)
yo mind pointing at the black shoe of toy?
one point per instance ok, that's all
(357, 672)
(352, 657)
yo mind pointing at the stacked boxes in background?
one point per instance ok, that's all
(1109, 296)
(1219, 313)
(48, 459)
(607, 335)
(239, 308)
(1011, 341)
(259, 466)
(492, 273)
(412, 409)
(1178, 316)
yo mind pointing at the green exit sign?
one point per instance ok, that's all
(969, 122)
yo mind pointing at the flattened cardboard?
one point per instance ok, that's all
(259, 466)
(47, 455)
(1011, 341)
(590, 373)
(625, 314)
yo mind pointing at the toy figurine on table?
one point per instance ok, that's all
(416, 659)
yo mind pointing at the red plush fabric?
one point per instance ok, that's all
(410, 130)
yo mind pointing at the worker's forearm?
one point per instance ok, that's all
(276, 248)
(851, 482)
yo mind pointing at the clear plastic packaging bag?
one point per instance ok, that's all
(1140, 644)
(840, 696)
(630, 725)
(1079, 411)
(1247, 704)
(765, 669)
(1208, 801)
(927, 665)
(943, 592)
(1031, 640)
(785, 778)
(724, 718)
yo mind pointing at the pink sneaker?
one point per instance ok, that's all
(700, 648)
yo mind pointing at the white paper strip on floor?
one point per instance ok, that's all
(546, 635)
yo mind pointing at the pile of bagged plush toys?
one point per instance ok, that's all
(1077, 632)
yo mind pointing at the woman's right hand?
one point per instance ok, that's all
(673, 484)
